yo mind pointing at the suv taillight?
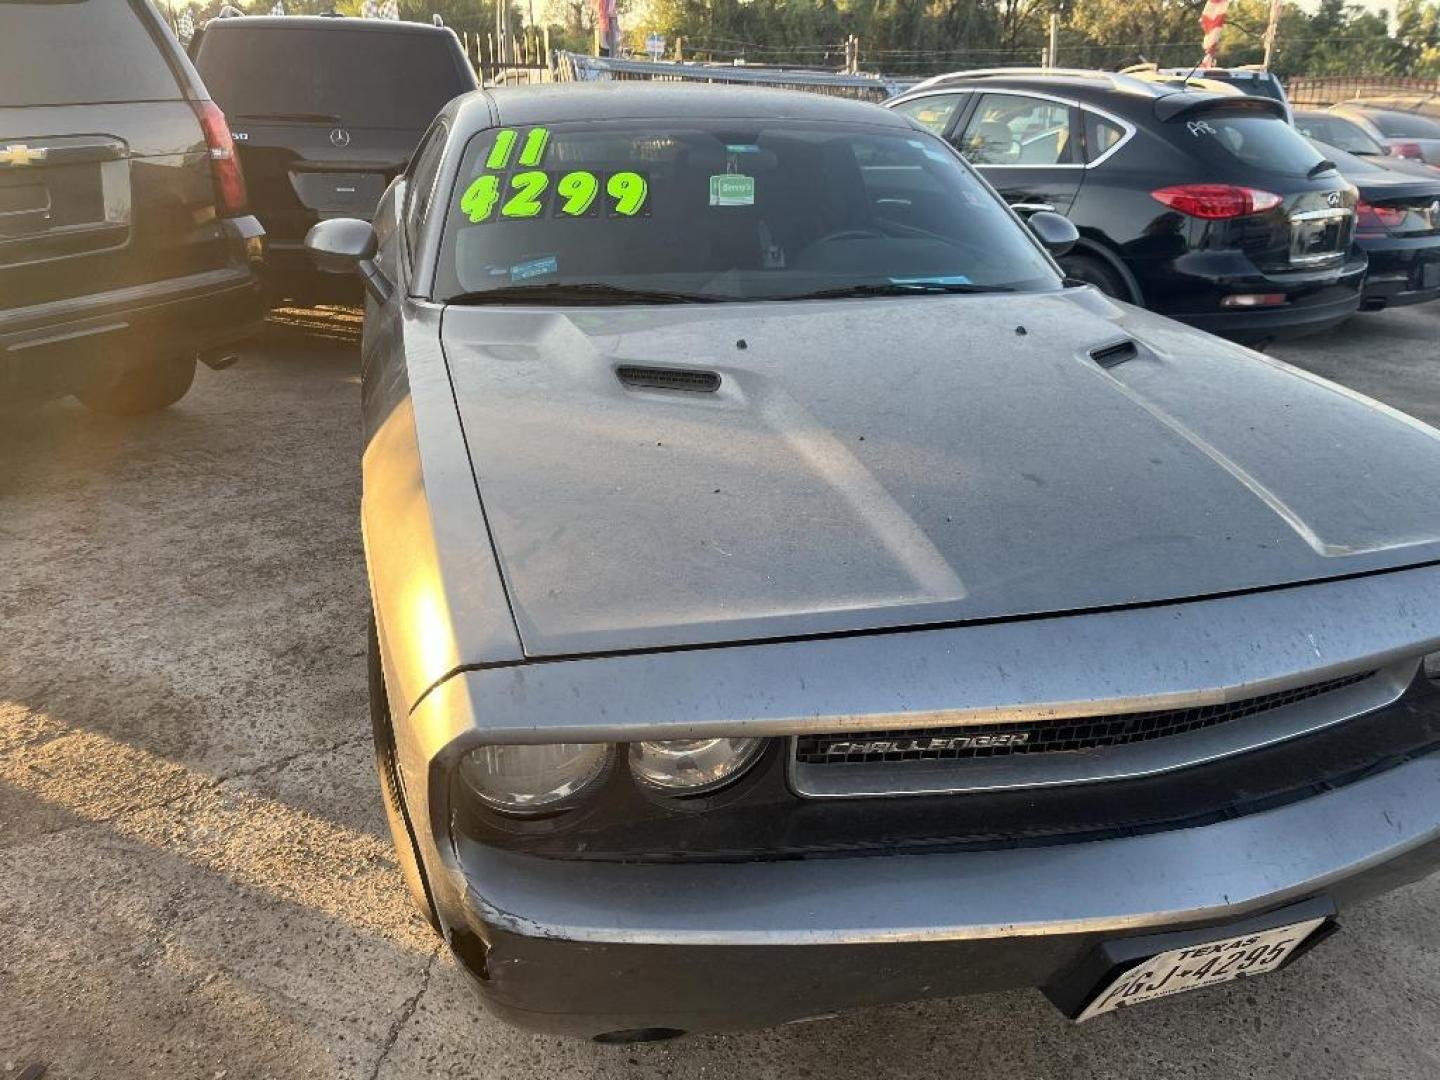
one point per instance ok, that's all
(1216, 202)
(1409, 150)
(1373, 219)
(224, 165)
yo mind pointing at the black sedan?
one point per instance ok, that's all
(1397, 224)
(1202, 205)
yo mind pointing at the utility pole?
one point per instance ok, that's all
(1270, 32)
(1053, 53)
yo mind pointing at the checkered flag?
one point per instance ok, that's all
(390, 9)
(185, 27)
(370, 9)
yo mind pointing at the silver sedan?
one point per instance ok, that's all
(790, 595)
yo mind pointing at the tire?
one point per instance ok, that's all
(407, 852)
(1097, 272)
(143, 389)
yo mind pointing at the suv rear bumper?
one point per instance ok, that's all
(1314, 301)
(50, 349)
(586, 948)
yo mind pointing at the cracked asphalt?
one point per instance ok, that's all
(195, 874)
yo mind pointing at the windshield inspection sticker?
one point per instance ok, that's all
(732, 189)
(527, 192)
(534, 268)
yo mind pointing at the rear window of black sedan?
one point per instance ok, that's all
(727, 209)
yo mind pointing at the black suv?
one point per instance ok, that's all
(1203, 205)
(126, 250)
(326, 112)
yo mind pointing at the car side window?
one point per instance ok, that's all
(420, 184)
(1101, 136)
(1008, 129)
(933, 111)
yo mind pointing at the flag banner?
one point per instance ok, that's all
(278, 9)
(1212, 22)
(370, 9)
(185, 27)
(390, 9)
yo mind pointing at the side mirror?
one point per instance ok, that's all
(348, 246)
(1055, 231)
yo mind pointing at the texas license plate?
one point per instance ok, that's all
(1206, 964)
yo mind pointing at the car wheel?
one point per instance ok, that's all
(407, 852)
(141, 389)
(1096, 272)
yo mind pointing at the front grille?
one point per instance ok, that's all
(1046, 736)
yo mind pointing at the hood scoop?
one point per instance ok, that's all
(1116, 353)
(689, 380)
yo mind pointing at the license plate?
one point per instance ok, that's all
(1198, 966)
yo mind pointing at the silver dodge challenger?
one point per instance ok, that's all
(790, 595)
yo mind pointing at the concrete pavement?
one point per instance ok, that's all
(195, 875)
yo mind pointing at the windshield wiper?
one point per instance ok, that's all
(1321, 167)
(900, 288)
(584, 293)
(292, 117)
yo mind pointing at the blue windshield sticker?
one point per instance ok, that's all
(938, 279)
(534, 268)
(742, 148)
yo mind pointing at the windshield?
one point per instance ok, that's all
(1348, 136)
(331, 75)
(1399, 125)
(732, 210)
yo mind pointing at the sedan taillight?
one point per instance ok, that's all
(230, 195)
(1407, 150)
(1377, 219)
(1216, 202)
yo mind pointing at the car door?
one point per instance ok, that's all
(1027, 145)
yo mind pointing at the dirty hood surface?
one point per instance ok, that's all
(896, 463)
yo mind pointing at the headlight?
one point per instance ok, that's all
(691, 766)
(1432, 666)
(533, 779)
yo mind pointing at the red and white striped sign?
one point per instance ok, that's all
(1212, 21)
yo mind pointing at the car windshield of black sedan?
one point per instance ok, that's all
(724, 210)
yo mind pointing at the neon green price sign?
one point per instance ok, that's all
(530, 191)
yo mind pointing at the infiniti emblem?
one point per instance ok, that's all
(340, 137)
(1333, 198)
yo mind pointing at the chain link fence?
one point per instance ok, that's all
(576, 67)
(1330, 89)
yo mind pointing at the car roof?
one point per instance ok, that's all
(321, 22)
(1112, 90)
(1219, 72)
(560, 102)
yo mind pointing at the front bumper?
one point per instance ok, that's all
(1314, 300)
(588, 949)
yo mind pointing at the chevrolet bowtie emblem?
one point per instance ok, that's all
(20, 154)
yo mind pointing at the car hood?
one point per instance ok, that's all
(893, 463)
